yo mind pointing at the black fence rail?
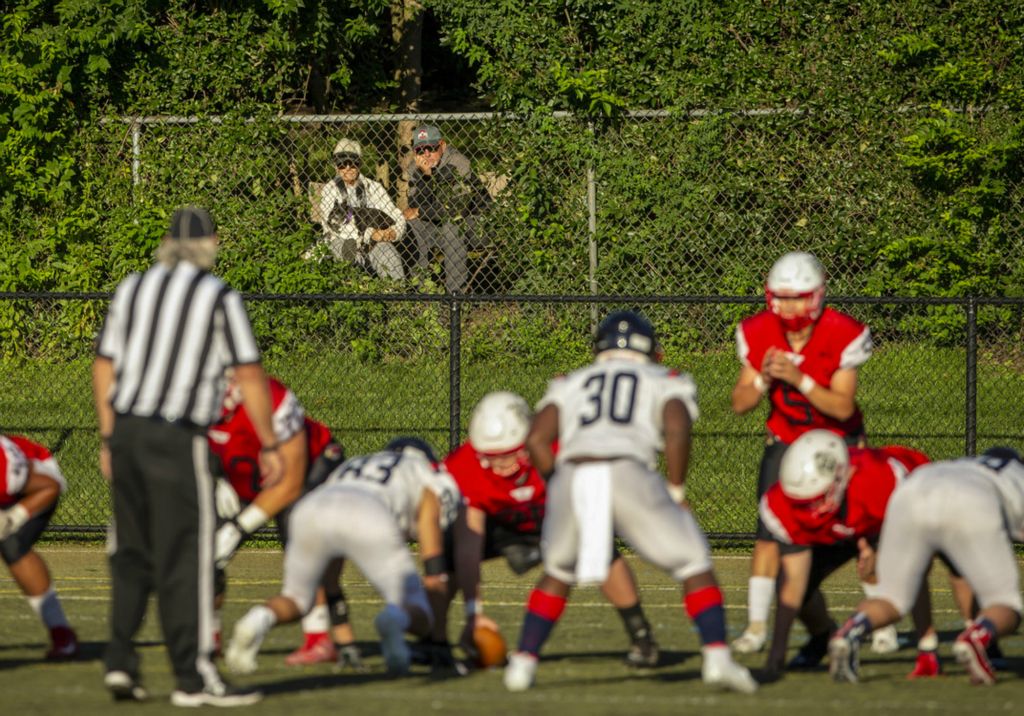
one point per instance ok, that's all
(947, 376)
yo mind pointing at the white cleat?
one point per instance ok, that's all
(885, 640)
(392, 642)
(240, 656)
(749, 642)
(721, 671)
(521, 671)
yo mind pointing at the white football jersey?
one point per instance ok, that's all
(398, 479)
(613, 408)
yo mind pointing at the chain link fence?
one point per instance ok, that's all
(426, 360)
(651, 204)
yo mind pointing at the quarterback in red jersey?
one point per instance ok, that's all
(804, 356)
(310, 453)
(30, 486)
(827, 509)
(505, 497)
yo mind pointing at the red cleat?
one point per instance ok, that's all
(318, 649)
(63, 644)
(927, 665)
(970, 649)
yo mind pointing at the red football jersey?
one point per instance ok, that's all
(233, 438)
(514, 502)
(17, 456)
(838, 341)
(876, 472)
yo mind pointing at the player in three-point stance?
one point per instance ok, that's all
(611, 419)
(827, 509)
(311, 453)
(366, 511)
(970, 510)
(804, 357)
(505, 497)
(30, 485)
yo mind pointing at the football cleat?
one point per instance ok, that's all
(749, 642)
(811, 653)
(844, 659)
(222, 695)
(63, 644)
(970, 649)
(521, 671)
(643, 654)
(123, 687)
(392, 642)
(927, 665)
(719, 670)
(885, 640)
(317, 650)
(240, 656)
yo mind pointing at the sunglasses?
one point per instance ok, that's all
(347, 163)
(427, 148)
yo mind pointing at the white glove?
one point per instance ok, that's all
(226, 542)
(228, 505)
(11, 520)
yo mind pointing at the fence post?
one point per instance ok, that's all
(454, 370)
(971, 398)
(136, 151)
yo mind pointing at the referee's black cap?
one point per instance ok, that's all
(191, 222)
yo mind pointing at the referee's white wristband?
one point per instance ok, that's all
(760, 383)
(251, 519)
(807, 384)
(474, 607)
(677, 492)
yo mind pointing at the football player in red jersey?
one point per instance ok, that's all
(804, 356)
(30, 486)
(827, 509)
(505, 497)
(310, 454)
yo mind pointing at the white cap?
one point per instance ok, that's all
(348, 146)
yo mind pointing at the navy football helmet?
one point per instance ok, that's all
(626, 330)
(410, 441)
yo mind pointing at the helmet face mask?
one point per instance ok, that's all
(627, 330)
(796, 275)
(815, 466)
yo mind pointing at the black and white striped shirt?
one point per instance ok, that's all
(170, 333)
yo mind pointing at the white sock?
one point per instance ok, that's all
(760, 591)
(47, 607)
(929, 642)
(261, 618)
(318, 621)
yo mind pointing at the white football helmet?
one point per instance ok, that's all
(797, 274)
(499, 423)
(815, 465)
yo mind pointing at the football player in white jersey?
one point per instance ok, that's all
(611, 419)
(366, 511)
(970, 510)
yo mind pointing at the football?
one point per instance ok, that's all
(491, 647)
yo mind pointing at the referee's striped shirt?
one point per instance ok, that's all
(170, 333)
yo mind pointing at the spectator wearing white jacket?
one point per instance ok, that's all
(360, 221)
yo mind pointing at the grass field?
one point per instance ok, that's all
(581, 672)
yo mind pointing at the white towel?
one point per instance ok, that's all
(592, 505)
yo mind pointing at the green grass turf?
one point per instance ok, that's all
(581, 672)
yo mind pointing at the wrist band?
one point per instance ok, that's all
(251, 519)
(474, 607)
(760, 383)
(435, 566)
(677, 492)
(270, 448)
(806, 385)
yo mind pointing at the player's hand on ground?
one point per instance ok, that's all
(350, 659)
(441, 659)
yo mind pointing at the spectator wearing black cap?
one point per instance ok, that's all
(445, 198)
(360, 221)
(158, 381)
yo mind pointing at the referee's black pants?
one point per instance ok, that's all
(162, 541)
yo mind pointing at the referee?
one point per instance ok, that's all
(158, 381)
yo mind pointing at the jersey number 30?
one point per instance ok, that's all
(612, 396)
